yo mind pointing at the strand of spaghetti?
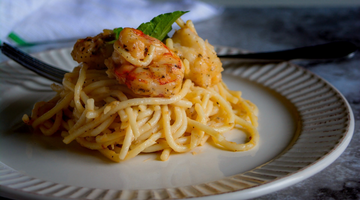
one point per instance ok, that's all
(223, 103)
(209, 107)
(110, 136)
(103, 126)
(204, 139)
(101, 91)
(83, 117)
(218, 138)
(56, 88)
(139, 123)
(148, 133)
(183, 103)
(64, 133)
(35, 111)
(144, 113)
(183, 127)
(254, 134)
(178, 120)
(180, 22)
(68, 84)
(234, 146)
(102, 83)
(83, 96)
(138, 149)
(236, 94)
(95, 145)
(253, 107)
(169, 43)
(195, 138)
(105, 132)
(221, 92)
(123, 115)
(155, 147)
(72, 75)
(110, 154)
(86, 127)
(132, 122)
(151, 122)
(124, 89)
(78, 86)
(165, 154)
(126, 55)
(206, 128)
(109, 99)
(143, 108)
(124, 124)
(47, 124)
(201, 113)
(186, 65)
(183, 140)
(54, 127)
(248, 110)
(116, 106)
(191, 26)
(160, 144)
(122, 97)
(142, 122)
(126, 143)
(223, 129)
(197, 134)
(215, 110)
(226, 93)
(167, 131)
(91, 114)
(59, 106)
(205, 100)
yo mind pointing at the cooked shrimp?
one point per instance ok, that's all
(94, 50)
(205, 67)
(145, 65)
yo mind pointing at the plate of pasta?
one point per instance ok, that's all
(142, 115)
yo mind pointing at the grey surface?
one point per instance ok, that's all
(267, 29)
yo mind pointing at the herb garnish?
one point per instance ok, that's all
(158, 27)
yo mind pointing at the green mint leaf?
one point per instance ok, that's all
(160, 26)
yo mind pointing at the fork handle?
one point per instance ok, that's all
(333, 50)
(33, 64)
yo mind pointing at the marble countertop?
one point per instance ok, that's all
(267, 29)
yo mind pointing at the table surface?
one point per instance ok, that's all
(268, 29)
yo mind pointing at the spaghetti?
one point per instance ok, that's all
(102, 112)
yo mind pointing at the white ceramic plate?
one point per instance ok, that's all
(305, 124)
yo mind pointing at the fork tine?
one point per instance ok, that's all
(33, 64)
